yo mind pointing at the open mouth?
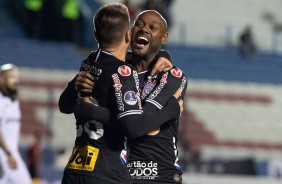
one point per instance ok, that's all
(142, 41)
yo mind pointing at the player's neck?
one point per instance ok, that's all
(142, 64)
(9, 93)
(118, 52)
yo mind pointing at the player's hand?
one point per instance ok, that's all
(12, 162)
(162, 65)
(84, 82)
(177, 94)
(88, 100)
(180, 102)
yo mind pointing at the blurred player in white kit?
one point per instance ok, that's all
(12, 167)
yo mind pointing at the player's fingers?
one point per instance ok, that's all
(167, 64)
(12, 163)
(83, 84)
(85, 78)
(86, 82)
(167, 69)
(85, 90)
(86, 99)
(161, 68)
(85, 74)
(162, 65)
(177, 93)
(83, 87)
(155, 69)
(180, 102)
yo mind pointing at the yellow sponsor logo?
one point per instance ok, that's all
(83, 158)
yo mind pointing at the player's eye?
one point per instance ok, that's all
(138, 24)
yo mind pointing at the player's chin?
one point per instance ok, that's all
(140, 51)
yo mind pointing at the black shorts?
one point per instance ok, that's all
(81, 179)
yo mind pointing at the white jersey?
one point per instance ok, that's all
(10, 116)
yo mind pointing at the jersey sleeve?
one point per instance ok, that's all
(133, 120)
(126, 96)
(85, 112)
(170, 82)
(165, 54)
(68, 98)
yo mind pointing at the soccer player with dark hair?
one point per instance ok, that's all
(153, 157)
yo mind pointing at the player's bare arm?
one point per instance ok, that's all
(12, 162)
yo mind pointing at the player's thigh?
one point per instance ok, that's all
(81, 179)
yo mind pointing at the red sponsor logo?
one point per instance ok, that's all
(176, 72)
(124, 70)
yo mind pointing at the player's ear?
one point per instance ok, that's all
(128, 36)
(164, 38)
(95, 34)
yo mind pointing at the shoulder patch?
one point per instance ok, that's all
(124, 70)
(130, 98)
(176, 72)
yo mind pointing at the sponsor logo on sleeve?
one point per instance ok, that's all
(176, 72)
(163, 81)
(143, 170)
(183, 84)
(83, 158)
(117, 85)
(130, 98)
(124, 70)
(136, 79)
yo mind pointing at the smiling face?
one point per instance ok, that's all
(149, 32)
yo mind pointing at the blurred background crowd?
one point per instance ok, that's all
(231, 51)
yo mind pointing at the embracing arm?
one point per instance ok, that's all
(68, 98)
(139, 125)
(163, 63)
(82, 82)
(87, 111)
(136, 126)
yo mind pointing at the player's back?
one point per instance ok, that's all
(101, 144)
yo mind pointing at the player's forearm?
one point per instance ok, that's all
(68, 98)
(139, 125)
(85, 112)
(3, 146)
